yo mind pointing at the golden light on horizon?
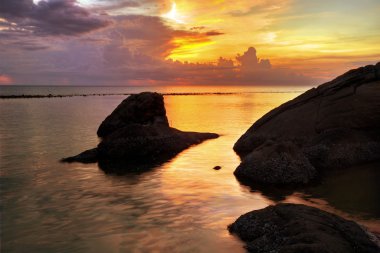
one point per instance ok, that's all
(280, 32)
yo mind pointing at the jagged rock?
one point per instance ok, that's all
(292, 228)
(137, 132)
(335, 125)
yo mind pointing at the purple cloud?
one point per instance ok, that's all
(52, 17)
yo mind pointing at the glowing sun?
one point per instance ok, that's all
(173, 15)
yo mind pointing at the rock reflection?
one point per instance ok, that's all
(355, 190)
(125, 168)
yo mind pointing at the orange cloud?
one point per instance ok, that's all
(188, 47)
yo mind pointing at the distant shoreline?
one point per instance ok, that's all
(128, 94)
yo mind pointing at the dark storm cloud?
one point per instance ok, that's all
(16, 8)
(53, 17)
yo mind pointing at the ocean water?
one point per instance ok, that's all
(119, 90)
(182, 206)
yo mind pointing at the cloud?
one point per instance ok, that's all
(247, 69)
(197, 28)
(110, 5)
(249, 61)
(213, 33)
(258, 8)
(5, 79)
(29, 45)
(131, 50)
(51, 17)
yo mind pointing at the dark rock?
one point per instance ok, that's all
(285, 163)
(88, 156)
(137, 133)
(335, 125)
(123, 167)
(145, 108)
(217, 168)
(146, 143)
(292, 228)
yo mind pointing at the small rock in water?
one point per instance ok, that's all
(217, 168)
(137, 133)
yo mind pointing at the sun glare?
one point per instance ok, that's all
(173, 15)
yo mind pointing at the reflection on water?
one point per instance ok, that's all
(182, 206)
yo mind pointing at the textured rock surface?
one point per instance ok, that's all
(335, 125)
(137, 132)
(146, 108)
(291, 228)
(284, 163)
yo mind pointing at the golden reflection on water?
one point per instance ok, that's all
(229, 116)
(182, 206)
(190, 178)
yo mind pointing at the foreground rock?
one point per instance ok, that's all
(145, 109)
(291, 228)
(335, 125)
(137, 132)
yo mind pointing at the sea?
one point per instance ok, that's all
(184, 205)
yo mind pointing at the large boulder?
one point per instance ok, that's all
(336, 125)
(145, 108)
(137, 133)
(292, 228)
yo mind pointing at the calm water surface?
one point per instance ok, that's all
(181, 206)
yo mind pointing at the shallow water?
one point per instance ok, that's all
(182, 206)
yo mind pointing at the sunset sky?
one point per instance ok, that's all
(159, 42)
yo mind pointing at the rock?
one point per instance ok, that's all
(217, 168)
(285, 163)
(298, 228)
(146, 108)
(144, 143)
(137, 133)
(88, 156)
(336, 125)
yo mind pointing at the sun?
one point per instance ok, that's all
(173, 15)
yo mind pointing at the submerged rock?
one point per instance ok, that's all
(137, 132)
(298, 228)
(335, 125)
